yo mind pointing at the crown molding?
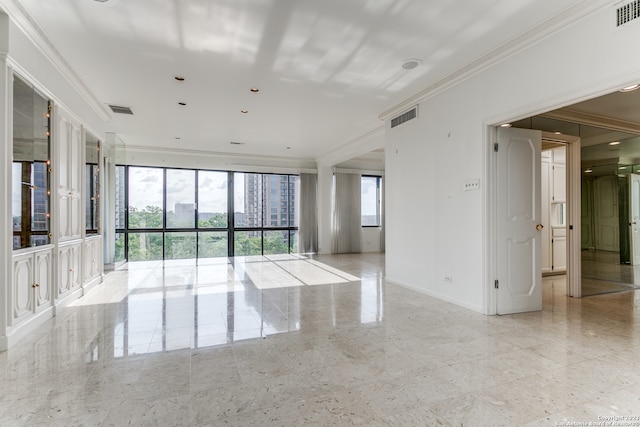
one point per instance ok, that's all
(25, 22)
(588, 119)
(541, 31)
(217, 154)
(350, 149)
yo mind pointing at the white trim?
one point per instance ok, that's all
(41, 41)
(359, 172)
(352, 148)
(433, 294)
(539, 32)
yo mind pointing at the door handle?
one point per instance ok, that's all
(539, 227)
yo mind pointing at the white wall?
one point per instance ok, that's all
(434, 228)
(370, 239)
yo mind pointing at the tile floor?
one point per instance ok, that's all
(603, 273)
(289, 341)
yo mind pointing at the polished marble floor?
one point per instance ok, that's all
(603, 273)
(291, 341)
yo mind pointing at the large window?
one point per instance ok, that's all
(370, 201)
(164, 213)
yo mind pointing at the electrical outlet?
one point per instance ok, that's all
(472, 184)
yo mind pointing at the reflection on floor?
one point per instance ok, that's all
(291, 341)
(602, 273)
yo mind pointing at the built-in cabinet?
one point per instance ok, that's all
(69, 168)
(57, 245)
(69, 279)
(32, 282)
(553, 210)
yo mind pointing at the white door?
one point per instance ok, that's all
(634, 217)
(519, 281)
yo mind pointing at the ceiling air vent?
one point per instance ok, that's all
(405, 117)
(120, 110)
(627, 13)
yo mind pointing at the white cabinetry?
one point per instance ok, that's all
(31, 285)
(554, 195)
(92, 259)
(68, 169)
(69, 274)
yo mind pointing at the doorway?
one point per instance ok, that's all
(519, 220)
(609, 151)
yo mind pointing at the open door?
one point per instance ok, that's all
(518, 222)
(634, 218)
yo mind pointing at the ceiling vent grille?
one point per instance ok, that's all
(627, 13)
(405, 117)
(120, 110)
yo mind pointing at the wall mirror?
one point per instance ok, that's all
(92, 184)
(30, 183)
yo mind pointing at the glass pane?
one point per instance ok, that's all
(276, 200)
(247, 243)
(145, 197)
(369, 200)
(40, 202)
(294, 242)
(145, 246)
(92, 183)
(179, 245)
(276, 242)
(294, 200)
(212, 244)
(212, 199)
(119, 252)
(120, 197)
(16, 195)
(248, 199)
(181, 198)
(30, 167)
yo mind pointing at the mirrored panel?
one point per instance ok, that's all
(31, 166)
(92, 184)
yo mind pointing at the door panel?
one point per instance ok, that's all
(634, 217)
(519, 213)
(606, 215)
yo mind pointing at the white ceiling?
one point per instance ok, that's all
(325, 68)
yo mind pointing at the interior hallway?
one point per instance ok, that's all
(226, 344)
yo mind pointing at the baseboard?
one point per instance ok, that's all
(463, 304)
(22, 330)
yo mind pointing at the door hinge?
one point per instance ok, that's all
(495, 147)
(496, 284)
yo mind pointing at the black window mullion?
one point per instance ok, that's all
(196, 188)
(231, 218)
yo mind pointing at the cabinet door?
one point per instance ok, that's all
(64, 270)
(75, 174)
(22, 289)
(62, 171)
(43, 280)
(75, 280)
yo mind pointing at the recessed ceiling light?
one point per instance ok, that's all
(588, 171)
(505, 125)
(182, 103)
(410, 64)
(101, 1)
(614, 143)
(288, 148)
(557, 133)
(254, 90)
(179, 78)
(630, 88)
(622, 167)
(244, 111)
(177, 137)
(236, 143)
